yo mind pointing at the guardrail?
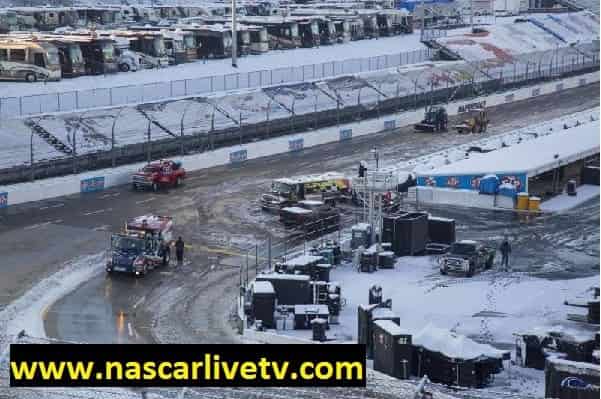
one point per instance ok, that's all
(155, 91)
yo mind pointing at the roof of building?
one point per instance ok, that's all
(390, 327)
(453, 345)
(263, 287)
(532, 157)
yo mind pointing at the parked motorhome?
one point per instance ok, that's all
(283, 32)
(8, 21)
(259, 39)
(343, 30)
(28, 60)
(327, 31)
(180, 46)
(215, 40)
(308, 30)
(70, 56)
(149, 45)
(98, 54)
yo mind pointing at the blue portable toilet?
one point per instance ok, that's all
(489, 184)
(508, 190)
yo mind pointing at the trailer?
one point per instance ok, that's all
(329, 187)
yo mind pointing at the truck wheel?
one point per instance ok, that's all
(155, 187)
(30, 77)
(124, 67)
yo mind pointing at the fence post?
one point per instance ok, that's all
(256, 259)
(269, 252)
(31, 160)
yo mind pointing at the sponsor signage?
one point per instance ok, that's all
(346, 134)
(296, 144)
(92, 184)
(238, 156)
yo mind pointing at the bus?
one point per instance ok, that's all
(29, 61)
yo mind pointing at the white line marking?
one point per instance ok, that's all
(145, 201)
(139, 301)
(129, 329)
(109, 195)
(58, 205)
(98, 211)
(38, 225)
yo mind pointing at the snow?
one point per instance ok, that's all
(26, 312)
(570, 366)
(279, 276)
(263, 287)
(390, 327)
(539, 33)
(426, 163)
(532, 157)
(303, 260)
(453, 345)
(310, 309)
(564, 202)
(297, 210)
(421, 296)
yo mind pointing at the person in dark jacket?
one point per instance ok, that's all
(505, 251)
(179, 250)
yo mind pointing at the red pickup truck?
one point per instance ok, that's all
(157, 175)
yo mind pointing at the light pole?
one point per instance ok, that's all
(234, 37)
(113, 158)
(181, 124)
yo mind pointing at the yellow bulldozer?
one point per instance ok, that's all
(477, 122)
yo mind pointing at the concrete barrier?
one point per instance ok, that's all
(73, 184)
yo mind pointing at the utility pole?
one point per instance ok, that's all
(472, 15)
(423, 21)
(234, 37)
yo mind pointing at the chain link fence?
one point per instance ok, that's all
(156, 91)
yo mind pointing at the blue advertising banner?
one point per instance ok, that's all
(346, 134)
(238, 156)
(471, 182)
(92, 184)
(296, 144)
(3, 200)
(391, 124)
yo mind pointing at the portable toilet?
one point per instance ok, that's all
(522, 203)
(534, 204)
(489, 184)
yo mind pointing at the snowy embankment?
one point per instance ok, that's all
(27, 313)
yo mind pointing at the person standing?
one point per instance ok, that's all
(505, 251)
(179, 251)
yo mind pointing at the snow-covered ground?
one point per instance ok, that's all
(539, 33)
(430, 162)
(489, 307)
(564, 202)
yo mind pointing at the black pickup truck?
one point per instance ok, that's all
(467, 257)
